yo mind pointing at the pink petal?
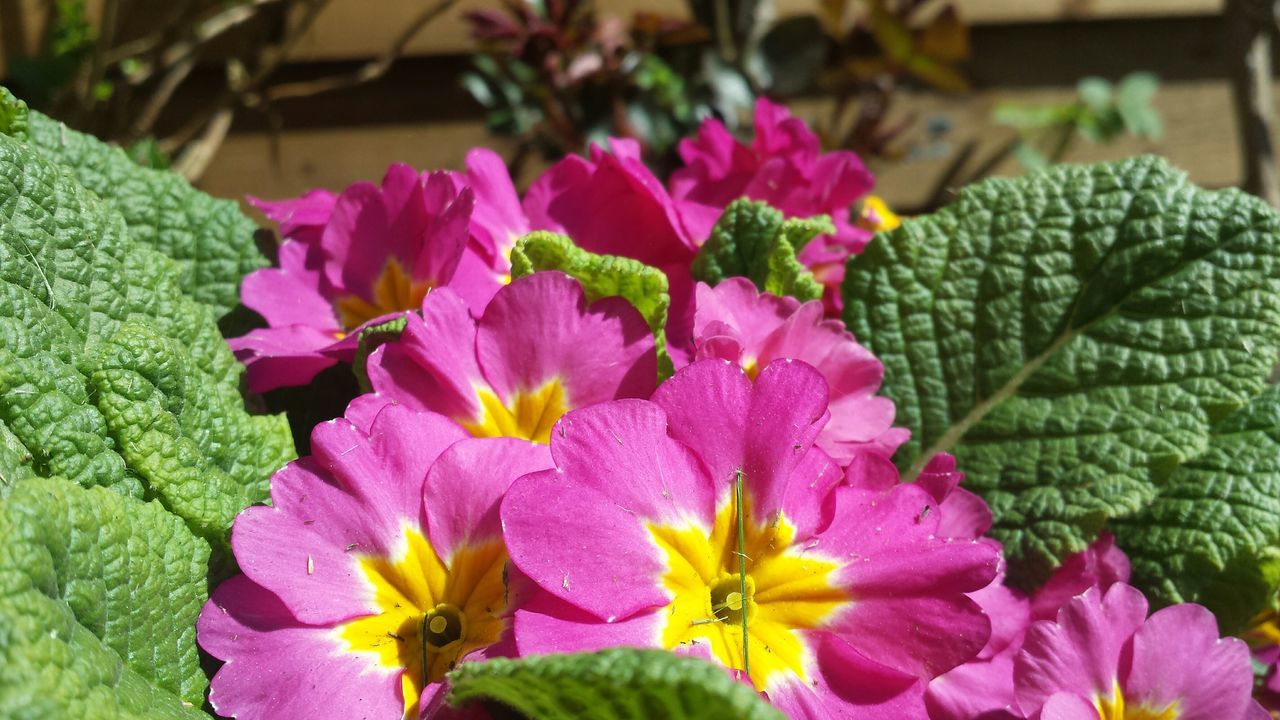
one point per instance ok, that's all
(1068, 706)
(540, 328)
(433, 364)
(764, 428)
(283, 356)
(548, 625)
(1100, 565)
(498, 220)
(578, 531)
(1178, 656)
(290, 294)
(910, 611)
(978, 690)
(1080, 652)
(280, 669)
(846, 684)
(301, 219)
(466, 484)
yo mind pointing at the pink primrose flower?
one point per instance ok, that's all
(785, 167)
(1104, 658)
(538, 351)
(378, 568)
(852, 601)
(734, 322)
(360, 257)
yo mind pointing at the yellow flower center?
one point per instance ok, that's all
(528, 414)
(393, 292)
(788, 589)
(1114, 708)
(876, 215)
(431, 613)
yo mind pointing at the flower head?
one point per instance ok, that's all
(785, 167)
(538, 351)
(302, 219)
(680, 522)
(377, 569)
(381, 249)
(734, 322)
(1104, 658)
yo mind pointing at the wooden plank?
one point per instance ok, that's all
(1200, 137)
(350, 29)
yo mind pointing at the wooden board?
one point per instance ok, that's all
(1201, 137)
(363, 28)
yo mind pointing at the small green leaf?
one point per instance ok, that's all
(754, 240)
(13, 115)
(371, 338)
(601, 276)
(1072, 336)
(618, 684)
(1202, 538)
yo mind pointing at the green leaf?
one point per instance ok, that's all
(109, 374)
(13, 115)
(609, 685)
(1071, 336)
(370, 339)
(601, 276)
(1202, 538)
(211, 240)
(99, 595)
(753, 240)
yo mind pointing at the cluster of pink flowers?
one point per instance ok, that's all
(519, 483)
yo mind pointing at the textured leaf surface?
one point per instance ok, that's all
(620, 684)
(601, 276)
(13, 115)
(753, 240)
(1202, 538)
(211, 240)
(1072, 337)
(99, 595)
(109, 374)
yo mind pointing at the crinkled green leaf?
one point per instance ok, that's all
(99, 594)
(754, 240)
(13, 115)
(1072, 337)
(601, 276)
(109, 374)
(618, 684)
(15, 461)
(211, 239)
(1202, 538)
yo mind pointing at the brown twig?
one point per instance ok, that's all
(367, 73)
(1250, 24)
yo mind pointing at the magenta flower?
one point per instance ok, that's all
(734, 322)
(380, 250)
(785, 167)
(1104, 658)
(377, 569)
(983, 689)
(612, 204)
(538, 351)
(498, 220)
(851, 601)
(1263, 637)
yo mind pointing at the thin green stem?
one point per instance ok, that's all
(742, 567)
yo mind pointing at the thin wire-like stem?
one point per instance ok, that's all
(742, 566)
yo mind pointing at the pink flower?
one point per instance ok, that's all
(498, 220)
(538, 351)
(734, 322)
(983, 689)
(1104, 658)
(381, 249)
(785, 167)
(377, 569)
(1263, 637)
(851, 601)
(612, 204)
